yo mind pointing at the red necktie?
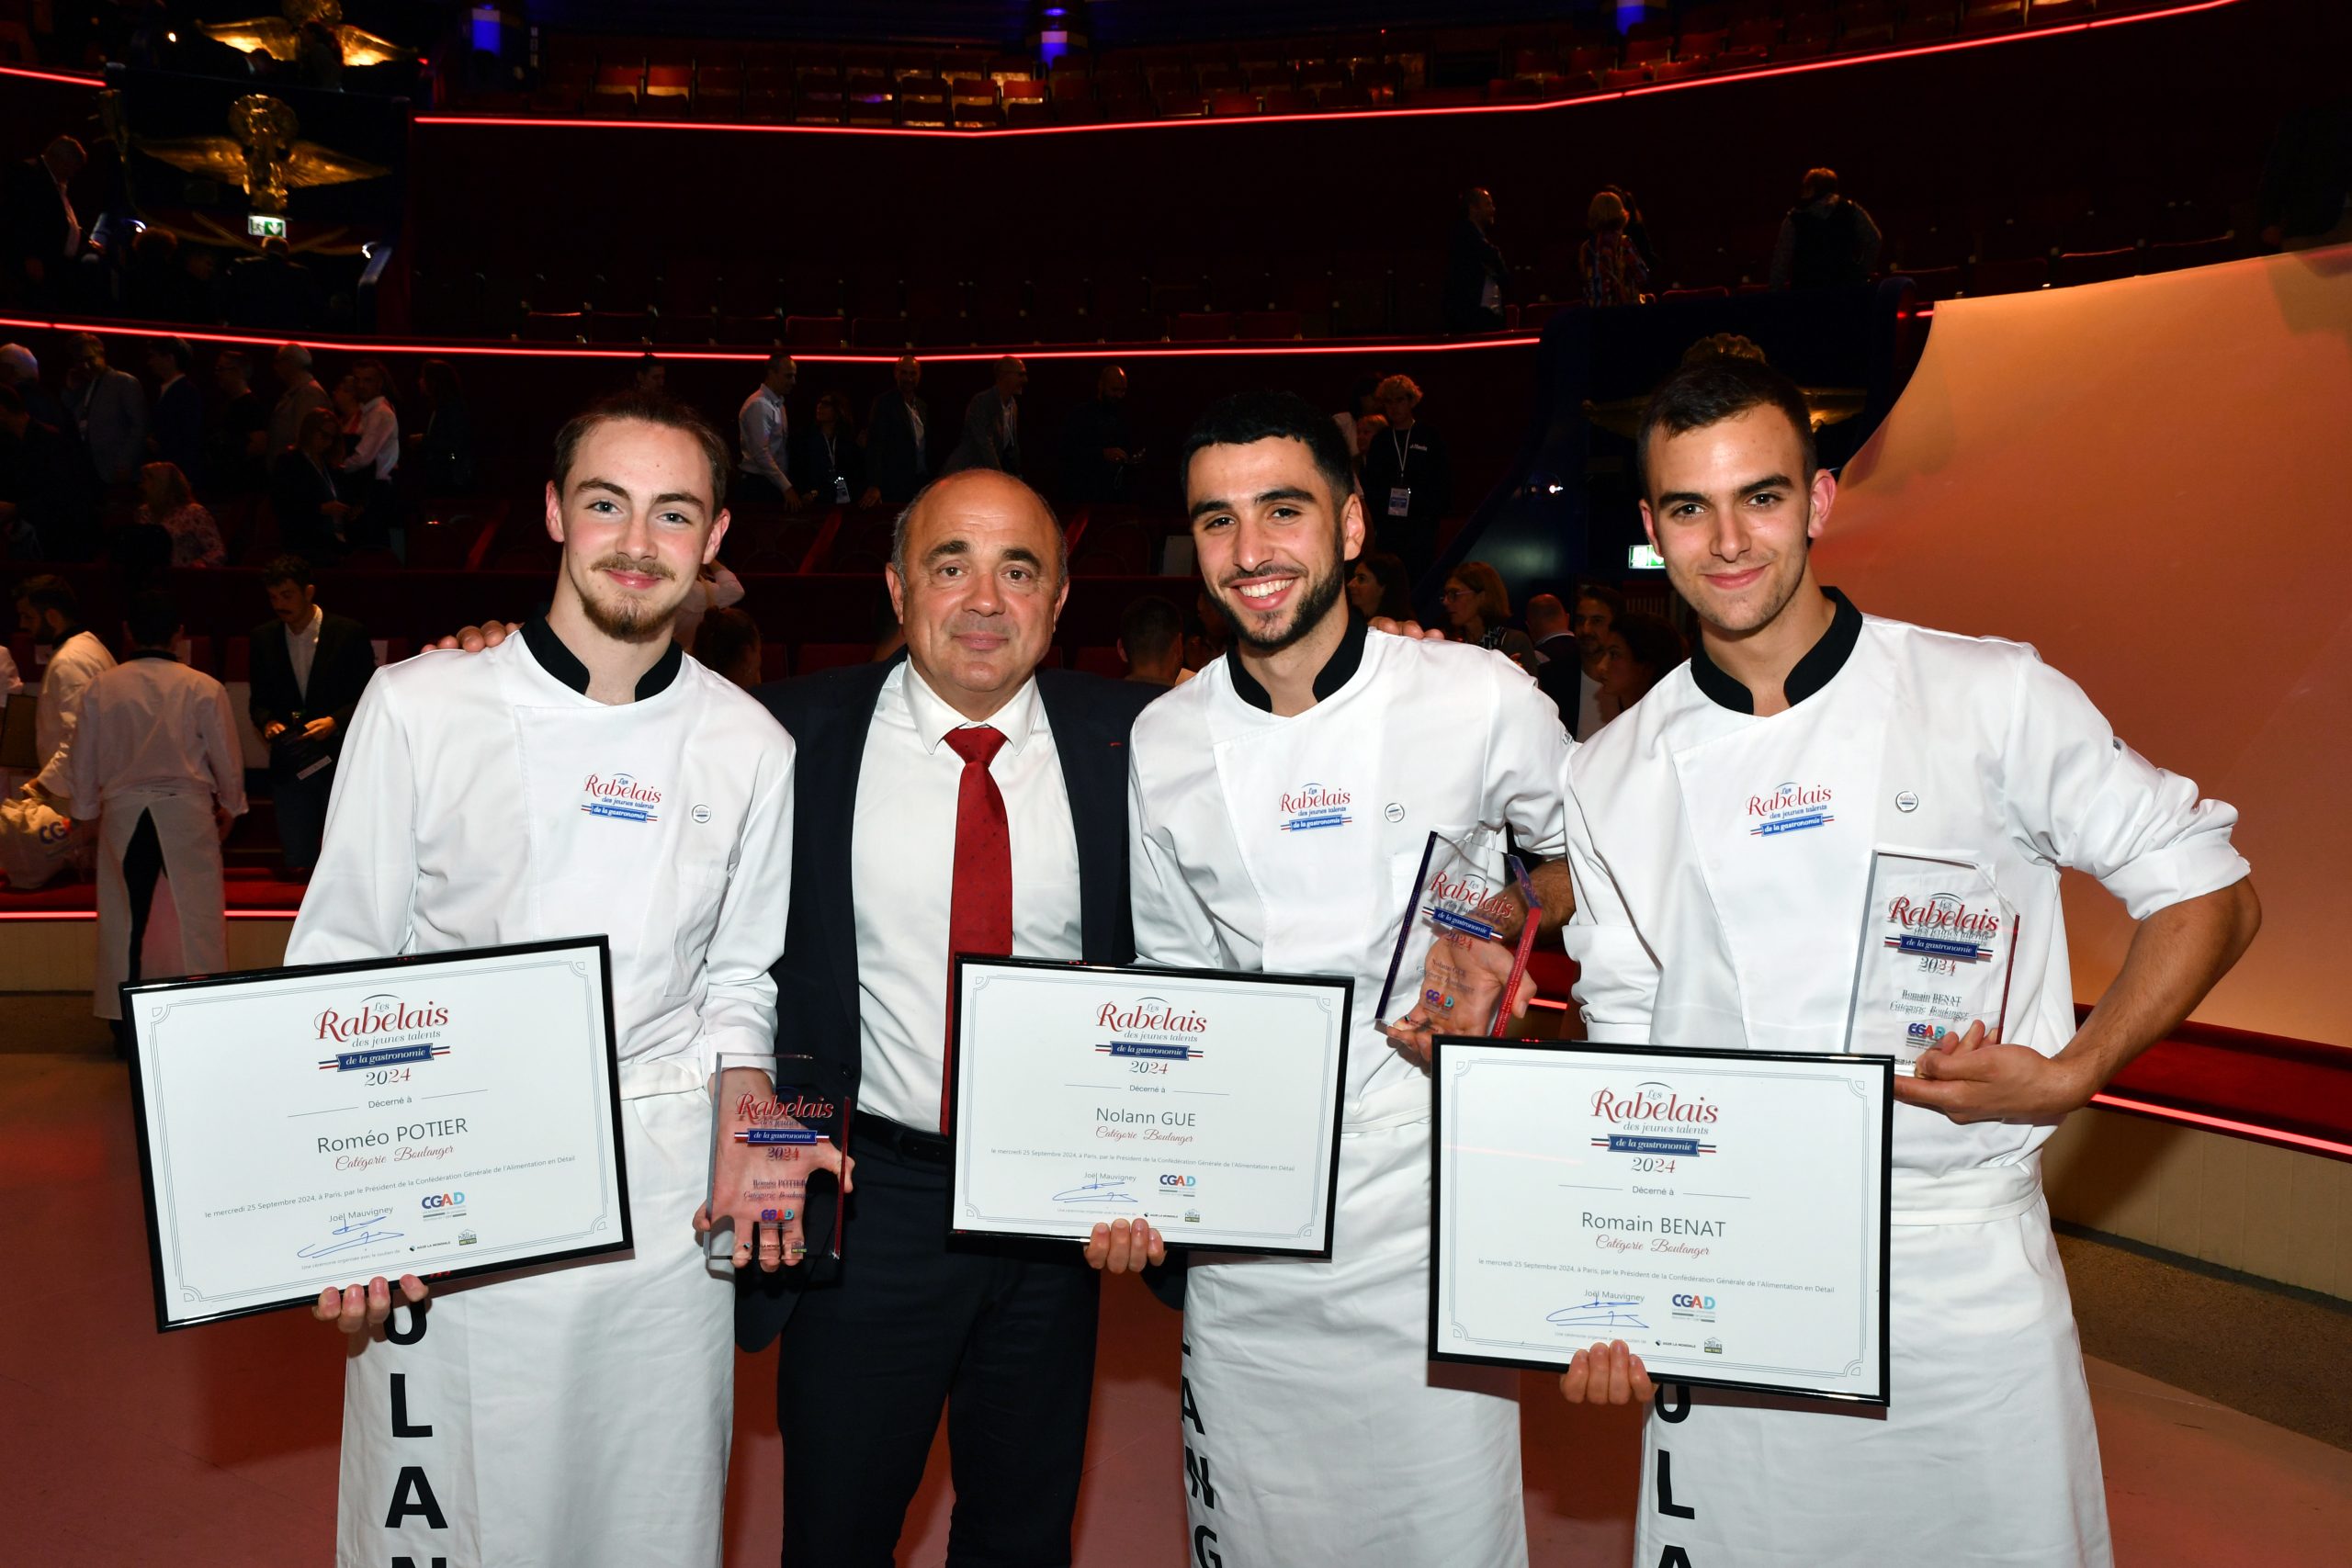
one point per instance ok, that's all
(980, 910)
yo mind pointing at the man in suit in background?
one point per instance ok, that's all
(992, 423)
(306, 496)
(955, 799)
(898, 439)
(309, 669)
(1572, 644)
(176, 427)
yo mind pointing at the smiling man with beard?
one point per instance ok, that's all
(1316, 1429)
(584, 777)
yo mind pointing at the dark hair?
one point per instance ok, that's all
(1652, 641)
(1396, 585)
(232, 360)
(662, 411)
(1600, 594)
(1246, 418)
(288, 568)
(152, 617)
(724, 637)
(12, 402)
(1712, 390)
(1819, 182)
(48, 592)
(440, 379)
(777, 357)
(1149, 628)
(175, 349)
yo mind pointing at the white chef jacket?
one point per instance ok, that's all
(580, 1414)
(1701, 921)
(1310, 1403)
(78, 660)
(903, 842)
(10, 682)
(159, 741)
(462, 818)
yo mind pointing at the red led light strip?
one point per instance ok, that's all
(2224, 1124)
(72, 78)
(93, 914)
(809, 356)
(1758, 72)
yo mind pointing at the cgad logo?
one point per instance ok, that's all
(1703, 1304)
(445, 1200)
(1184, 1182)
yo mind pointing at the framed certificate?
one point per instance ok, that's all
(1723, 1213)
(1205, 1102)
(441, 1115)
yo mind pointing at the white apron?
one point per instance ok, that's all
(1316, 1430)
(463, 1438)
(1721, 862)
(576, 1416)
(188, 928)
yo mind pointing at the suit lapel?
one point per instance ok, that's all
(1094, 775)
(831, 794)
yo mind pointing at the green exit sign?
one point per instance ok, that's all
(264, 228)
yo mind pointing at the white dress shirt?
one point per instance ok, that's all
(302, 649)
(902, 859)
(379, 446)
(765, 427)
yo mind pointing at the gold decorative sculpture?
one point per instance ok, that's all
(264, 155)
(281, 36)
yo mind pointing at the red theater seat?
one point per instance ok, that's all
(1268, 326)
(2191, 253)
(814, 331)
(1202, 326)
(2095, 267)
(2009, 276)
(1932, 283)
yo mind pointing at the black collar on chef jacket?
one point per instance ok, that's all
(560, 662)
(1815, 669)
(1337, 672)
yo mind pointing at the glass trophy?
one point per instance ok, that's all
(1938, 944)
(1465, 943)
(773, 1129)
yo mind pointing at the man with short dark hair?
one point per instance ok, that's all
(576, 1415)
(1308, 1393)
(156, 764)
(1573, 679)
(176, 424)
(1801, 741)
(992, 423)
(238, 460)
(898, 439)
(1476, 277)
(1099, 450)
(110, 409)
(1825, 241)
(1151, 642)
(763, 431)
(309, 670)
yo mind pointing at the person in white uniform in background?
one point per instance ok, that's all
(49, 611)
(155, 763)
(1316, 1430)
(1722, 847)
(578, 1414)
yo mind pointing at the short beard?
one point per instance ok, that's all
(1322, 592)
(632, 620)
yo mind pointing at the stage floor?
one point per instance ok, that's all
(217, 1446)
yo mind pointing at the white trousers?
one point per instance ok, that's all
(1985, 1457)
(571, 1417)
(1316, 1429)
(187, 931)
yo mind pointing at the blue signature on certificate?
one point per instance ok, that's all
(364, 1237)
(1602, 1311)
(1097, 1193)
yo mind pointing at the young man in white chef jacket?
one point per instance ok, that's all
(1316, 1429)
(1722, 841)
(578, 1414)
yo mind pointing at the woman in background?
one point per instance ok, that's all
(1378, 586)
(1478, 608)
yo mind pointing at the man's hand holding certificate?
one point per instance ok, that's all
(1102, 1104)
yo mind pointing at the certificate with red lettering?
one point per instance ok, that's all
(1722, 1213)
(443, 1115)
(1205, 1102)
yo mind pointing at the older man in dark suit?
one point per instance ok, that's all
(903, 767)
(309, 669)
(898, 439)
(992, 423)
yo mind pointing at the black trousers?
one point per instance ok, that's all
(1002, 1337)
(142, 867)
